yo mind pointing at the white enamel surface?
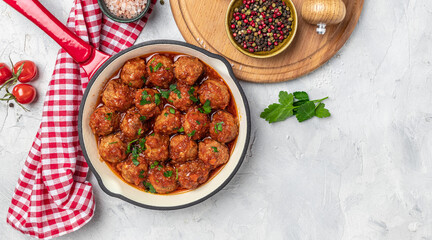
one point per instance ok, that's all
(117, 186)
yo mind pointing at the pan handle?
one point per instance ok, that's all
(82, 52)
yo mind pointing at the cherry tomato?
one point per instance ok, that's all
(5, 73)
(28, 72)
(24, 93)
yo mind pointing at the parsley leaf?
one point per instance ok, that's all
(215, 149)
(154, 164)
(206, 108)
(139, 131)
(149, 187)
(171, 110)
(198, 122)
(174, 89)
(143, 118)
(218, 127)
(151, 68)
(301, 96)
(141, 175)
(112, 143)
(129, 146)
(108, 116)
(135, 158)
(321, 111)
(144, 97)
(144, 79)
(191, 96)
(165, 94)
(159, 65)
(168, 173)
(176, 174)
(157, 98)
(303, 108)
(181, 130)
(192, 133)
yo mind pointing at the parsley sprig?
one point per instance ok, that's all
(297, 104)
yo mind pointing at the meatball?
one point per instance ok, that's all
(148, 102)
(168, 122)
(157, 147)
(112, 149)
(188, 69)
(213, 153)
(117, 96)
(159, 70)
(163, 179)
(134, 73)
(131, 125)
(192, 174)
(223, 127)
(104, 121)
(132, 173)
(187, 97)
(196, 124)
(182, 149)
(216, 92)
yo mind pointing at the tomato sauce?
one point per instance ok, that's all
(209, 72)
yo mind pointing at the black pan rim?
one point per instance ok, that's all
(169, 42)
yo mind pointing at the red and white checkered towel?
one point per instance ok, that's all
(52, 196)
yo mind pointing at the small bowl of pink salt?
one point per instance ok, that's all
(124, 11)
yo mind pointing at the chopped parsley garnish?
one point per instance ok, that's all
(166, 114)
(144, 79)
(218, 127)
(171, 110)
(192, 133)
(159, 65)
(154, 164)
(157, 98)
(152, 134)
(143, 118)
(151, 68)
(135, 157)
(136, 149)
(141, 175)
(139, 131)
(215, 149)
(168, 173)
(174, 89)
(144, 97)
(142, 144)
(165, 94)
(167, 68)
(130, 84)
(198, 122)
(129, 146)
(112, 143)
(181, 130)
(206, 108)
(191, 96)
(108, 116)
(149, 187)
(176, 174)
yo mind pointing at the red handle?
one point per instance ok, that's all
(82, 52)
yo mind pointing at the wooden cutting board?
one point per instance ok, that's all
(202, 23)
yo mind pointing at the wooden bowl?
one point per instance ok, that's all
(264, 54)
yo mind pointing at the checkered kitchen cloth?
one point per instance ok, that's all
(52, 196)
